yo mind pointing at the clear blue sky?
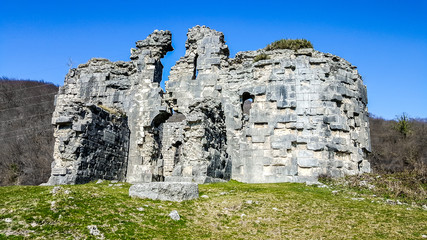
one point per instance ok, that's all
(386, 40)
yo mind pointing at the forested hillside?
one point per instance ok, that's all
(26, 133)
(399, 145)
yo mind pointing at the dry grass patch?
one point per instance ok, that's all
(231, 211)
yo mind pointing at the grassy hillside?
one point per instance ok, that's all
(230, 211)
(26, 133)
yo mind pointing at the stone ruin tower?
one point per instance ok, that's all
(288, 118)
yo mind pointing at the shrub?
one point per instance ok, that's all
(261, 56)
(403, 125)
(293, 44)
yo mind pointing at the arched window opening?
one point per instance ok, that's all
(176, 117)
(247, 100)
(159, 119)
(177, 156)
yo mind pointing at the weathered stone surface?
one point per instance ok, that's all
(291, 117)
(97, 151)
(174, 215)
(166, 191)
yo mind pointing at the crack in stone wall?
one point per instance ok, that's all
(307, 113)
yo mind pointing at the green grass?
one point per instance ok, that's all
(232, 211)
(260, 57)
(406, 187)
(293, 44)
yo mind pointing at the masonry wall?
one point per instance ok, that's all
(131, 88)
(92, 144)
(104, 146)
(289, 118)
(195, 148)
(308, 116)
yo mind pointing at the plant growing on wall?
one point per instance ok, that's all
(260, 57)
(293, 44)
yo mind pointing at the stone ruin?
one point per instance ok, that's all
(289, 118)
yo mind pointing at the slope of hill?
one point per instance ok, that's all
(399, 150)
(227, 211)
(26, 133)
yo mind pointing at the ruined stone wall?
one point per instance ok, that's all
(291, 117)
(197, 146)
(128, 87)
(90, 144)
(308, 115)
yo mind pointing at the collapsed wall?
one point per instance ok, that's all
(198, 145)
(92, 144)
(127, 90)
(288, 118)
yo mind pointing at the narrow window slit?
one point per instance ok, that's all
(195, 71)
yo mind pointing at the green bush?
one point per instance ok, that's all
(293, 44)
(403, 125)
(261, 56)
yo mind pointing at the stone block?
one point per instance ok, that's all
(276, 93)
(78, 127)
(259, 116)
(187, 171)
(213, 61)
(291, 170)
(266, 160)
(337, 126)
(316, 61)
(307, 162)
(282, 142)
(339, 164)
(207, 78)
(258, 90)
(305, 154)
(337, 147)
(109, 136)
(165, 191)
(365, 167)
(264, 131)
(339, 140)
(63, 120)
(258, 138)
(59, 171)
(330, 119)
(286, 104)
(315, 146)
(179, 179)
(336, 98)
